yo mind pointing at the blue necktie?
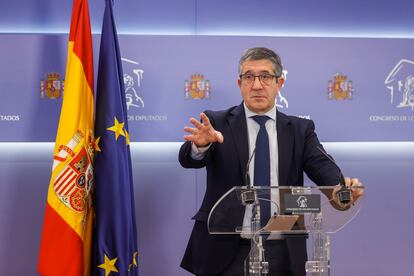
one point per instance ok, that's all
(262, 166)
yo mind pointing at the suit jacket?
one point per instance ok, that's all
(226, 167)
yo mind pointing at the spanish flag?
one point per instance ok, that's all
(66, 239)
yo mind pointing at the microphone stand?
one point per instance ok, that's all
(319, 264)
(255, 264)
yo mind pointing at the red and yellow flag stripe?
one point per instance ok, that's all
(66, 239)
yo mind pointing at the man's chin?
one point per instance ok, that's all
(260, 108)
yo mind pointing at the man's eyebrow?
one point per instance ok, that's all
(251, 72)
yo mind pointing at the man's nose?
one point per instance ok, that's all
(257, 84)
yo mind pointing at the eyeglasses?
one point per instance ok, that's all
(264, 78)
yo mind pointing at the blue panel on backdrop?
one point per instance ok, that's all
(354, 89)
(217, 17)
(369, 18)
(144, 16)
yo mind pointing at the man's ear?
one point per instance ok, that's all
(281, 81)
(239, 82)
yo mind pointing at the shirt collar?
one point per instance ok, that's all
(271, 113)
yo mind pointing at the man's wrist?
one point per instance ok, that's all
(200, 149)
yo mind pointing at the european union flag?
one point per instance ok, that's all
(115, 235)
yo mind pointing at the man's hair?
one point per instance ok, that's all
(259, 53)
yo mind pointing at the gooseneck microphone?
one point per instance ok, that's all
(344, 194)
(247, 175)
(249, 196)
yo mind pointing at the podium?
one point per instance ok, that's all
(315, 212)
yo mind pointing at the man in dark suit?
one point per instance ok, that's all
(223, 141)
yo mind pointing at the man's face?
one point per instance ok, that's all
(259, 97)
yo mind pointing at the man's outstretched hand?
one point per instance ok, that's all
(203, 133)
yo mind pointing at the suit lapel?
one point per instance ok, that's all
(237, 123)
(285, 139)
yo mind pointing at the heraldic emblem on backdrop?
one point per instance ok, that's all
(52, 87)
(340, 88)
(197, 88)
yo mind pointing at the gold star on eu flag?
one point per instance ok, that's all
(97, 148)
(134, 259)
(128, 140)
(117, 128)
(108, 265)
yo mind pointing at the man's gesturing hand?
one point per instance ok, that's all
(203, 132)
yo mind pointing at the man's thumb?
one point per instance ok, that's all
(219, 136)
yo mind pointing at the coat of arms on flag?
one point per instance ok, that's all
(74, 182)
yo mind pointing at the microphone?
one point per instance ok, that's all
(249, 196)
(344, 193)
(247, 175)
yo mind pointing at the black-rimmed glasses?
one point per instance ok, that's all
(264, 78)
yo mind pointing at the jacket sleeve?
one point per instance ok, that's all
(187, 161)
(317, 166)
(184, 155)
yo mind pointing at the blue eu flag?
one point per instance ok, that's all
(115, 235)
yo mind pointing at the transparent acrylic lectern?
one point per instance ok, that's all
(308, 211)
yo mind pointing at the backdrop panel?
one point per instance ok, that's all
(355, 89)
